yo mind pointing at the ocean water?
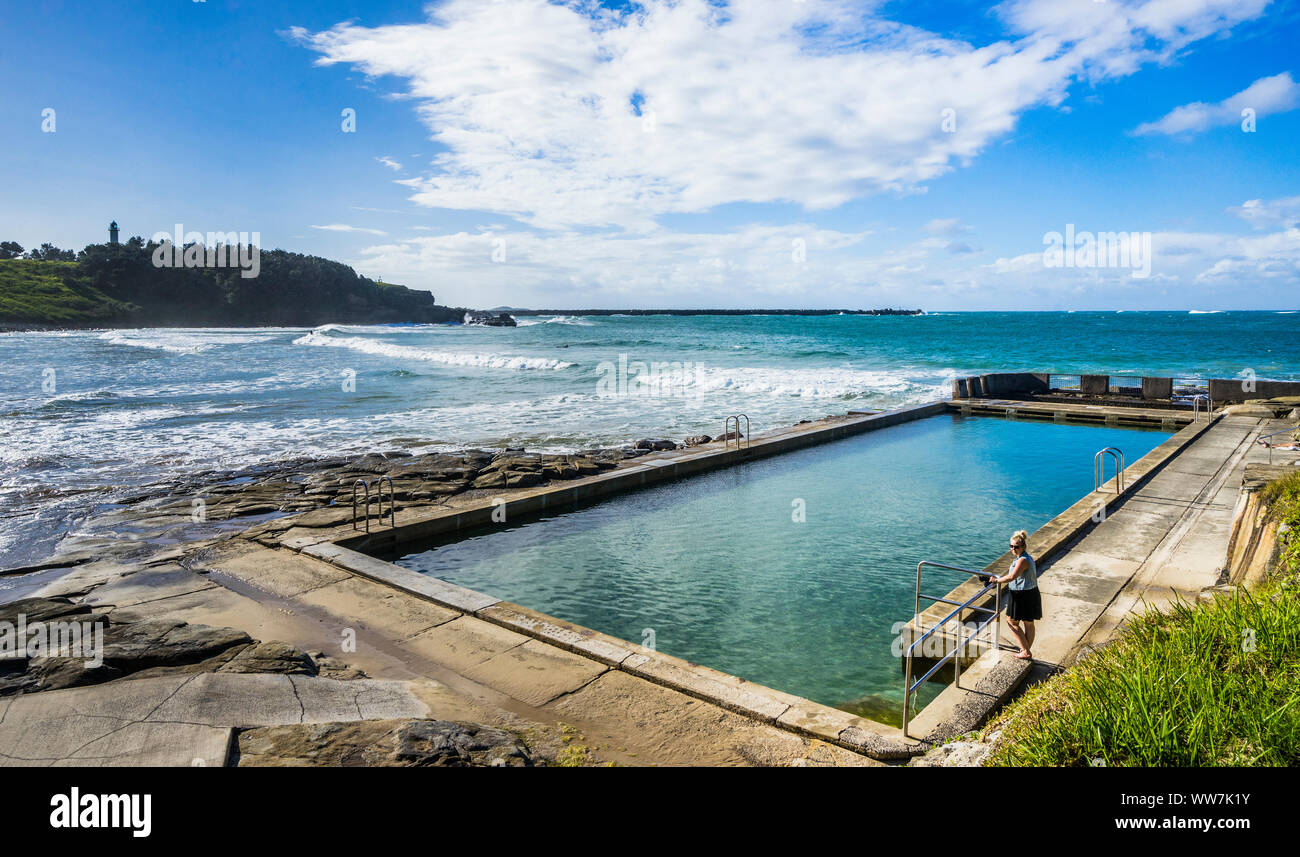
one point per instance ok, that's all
(88, 415)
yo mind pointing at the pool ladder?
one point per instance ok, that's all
(379, 497)
(910, 687)
(726, 430)
(1099, 468)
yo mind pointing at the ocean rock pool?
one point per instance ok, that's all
(793, 571)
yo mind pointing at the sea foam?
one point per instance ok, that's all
(446, 358)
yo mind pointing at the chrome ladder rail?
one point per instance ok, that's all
(1099, 468)
(366, 487)
(392, 504)
(1196, 406)
(726, 431)
(910, 687)
(379, 498)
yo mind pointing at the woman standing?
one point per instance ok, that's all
(1024, 603)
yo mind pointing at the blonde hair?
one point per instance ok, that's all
(1022, 537)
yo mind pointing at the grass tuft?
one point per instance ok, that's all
(1216, 683)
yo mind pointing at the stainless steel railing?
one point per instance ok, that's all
(379, 498)
(1099, 468)
(910, 687)
(726, 431)
(1264, 439)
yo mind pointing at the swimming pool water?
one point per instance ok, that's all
(792, 571)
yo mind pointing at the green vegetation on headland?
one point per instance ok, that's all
(49, 293)
(119, 285)
(1206, 684)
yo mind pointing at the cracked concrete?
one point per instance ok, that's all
(186, 720)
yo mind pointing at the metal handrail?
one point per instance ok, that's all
(726, 431)
(392, 501)
(1264, 439)
(1196, 406)
(1099, 468)
(366, 486)
(379, 498)
(910, 687)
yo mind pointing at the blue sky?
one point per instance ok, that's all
(692, 154)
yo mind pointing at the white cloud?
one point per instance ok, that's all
(946, 226)
(589, 127)
(756, 265)
(569, 115)
(1268, 95)
(1204, 267)
(343, 227)
(1273, 213)
(389, 162)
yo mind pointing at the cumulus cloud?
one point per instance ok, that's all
(569, 115)
(804, 265)
(1268, 95)
(1206, 264)
(577, 131)
(1273, 213)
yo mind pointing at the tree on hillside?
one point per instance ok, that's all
(49, 253)
(10, 249)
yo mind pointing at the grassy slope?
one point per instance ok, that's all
(37, 293)
(1186, 688)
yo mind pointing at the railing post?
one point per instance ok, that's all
(997, 616)
(907, 693)
(956, 660)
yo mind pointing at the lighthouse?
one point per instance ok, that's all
(112, 232)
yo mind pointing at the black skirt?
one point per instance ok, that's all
(1024, 604)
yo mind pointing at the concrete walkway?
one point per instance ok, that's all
(460, 667)
(1167, 540)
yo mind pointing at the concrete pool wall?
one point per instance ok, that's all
(350, 551)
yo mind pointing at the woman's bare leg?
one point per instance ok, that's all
(1029, 635)
(1020, 637)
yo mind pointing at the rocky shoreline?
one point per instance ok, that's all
(214, 639)
(315, 492)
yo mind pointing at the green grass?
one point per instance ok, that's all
(1206, 684)
(33, 292)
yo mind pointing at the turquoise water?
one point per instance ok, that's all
(86, 416)
(717, 567)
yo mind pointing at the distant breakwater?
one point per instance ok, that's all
(569, 312)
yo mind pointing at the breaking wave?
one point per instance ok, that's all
(447, 358)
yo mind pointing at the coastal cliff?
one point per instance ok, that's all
(120, 285)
